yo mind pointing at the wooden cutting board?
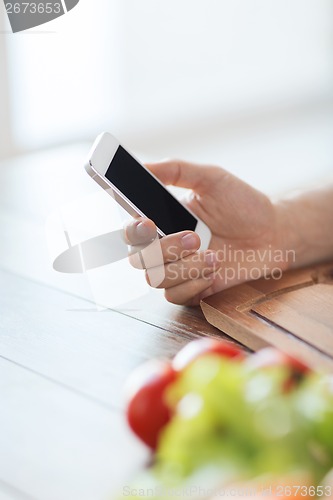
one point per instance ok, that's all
(294, 314)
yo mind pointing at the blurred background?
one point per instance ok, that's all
(245, 84)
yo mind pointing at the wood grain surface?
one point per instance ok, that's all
(63, 365)
(294, 313)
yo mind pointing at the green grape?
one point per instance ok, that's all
(314, 401)
(225, 413)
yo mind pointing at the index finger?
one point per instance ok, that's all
(184, 174)
(140, 231)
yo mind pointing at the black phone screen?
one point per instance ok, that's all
(154, 201)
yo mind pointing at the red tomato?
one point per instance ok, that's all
(270, 356)
(147, 412)
(273, 357)
(197, 348)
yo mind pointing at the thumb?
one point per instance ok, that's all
(184, 174)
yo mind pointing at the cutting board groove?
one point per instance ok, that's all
(294, 314)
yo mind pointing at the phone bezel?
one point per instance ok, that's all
(100, 158)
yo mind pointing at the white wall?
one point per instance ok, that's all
(151, 68)
(6, 146)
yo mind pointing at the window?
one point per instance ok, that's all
(135, 68)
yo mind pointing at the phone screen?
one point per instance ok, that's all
(148, 195)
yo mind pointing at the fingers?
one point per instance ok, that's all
(184, 174)
(190, 292)
(172, 262)
(147, 251)
(139, 234)
(140, 231)
(174, 247)
(190, 268)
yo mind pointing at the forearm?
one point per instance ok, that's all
(306, 225)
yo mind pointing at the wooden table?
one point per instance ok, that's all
(63, 434)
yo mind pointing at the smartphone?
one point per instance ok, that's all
(138, 191)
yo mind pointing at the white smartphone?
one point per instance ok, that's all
(138, 191)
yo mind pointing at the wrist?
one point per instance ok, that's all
(289, 237)
(304, 225)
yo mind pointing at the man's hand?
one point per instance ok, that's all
(245, 244)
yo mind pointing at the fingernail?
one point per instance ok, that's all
(144, 231)
(189, 241)
(211, 258)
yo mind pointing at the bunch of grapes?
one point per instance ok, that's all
(262, 414)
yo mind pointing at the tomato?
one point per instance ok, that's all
(147, 411)
(269, 357)
(197, 348)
